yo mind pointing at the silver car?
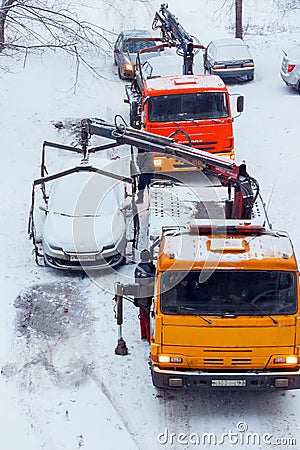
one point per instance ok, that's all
(290, 67)
(126, 49)
(84, 226)
(229, 58)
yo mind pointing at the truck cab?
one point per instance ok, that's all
(226, 309)
(194, 109)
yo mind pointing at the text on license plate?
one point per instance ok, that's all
(79, 257)
(229, 383)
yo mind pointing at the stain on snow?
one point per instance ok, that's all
(51, 310)
(54, 329)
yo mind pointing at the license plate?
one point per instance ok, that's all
(228, 383)
(235, 66)
(82, 258)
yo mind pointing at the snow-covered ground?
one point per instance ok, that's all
(62, 387)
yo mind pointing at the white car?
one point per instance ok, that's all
(84, 226)
(290, 67)
(229, 58)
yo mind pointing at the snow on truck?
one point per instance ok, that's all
(225, 309)
(195, 109)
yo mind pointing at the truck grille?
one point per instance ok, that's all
(213, 361)
(229, 361)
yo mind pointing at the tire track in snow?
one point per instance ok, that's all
(117, 407)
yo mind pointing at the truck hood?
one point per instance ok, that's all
(226, 333)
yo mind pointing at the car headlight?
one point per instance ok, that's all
(129, 66)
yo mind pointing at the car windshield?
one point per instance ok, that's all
(234, 52)
(84, 195)
(136, 46)
(194, 106)
(228, 292)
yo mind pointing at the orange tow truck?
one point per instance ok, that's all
(194, 109)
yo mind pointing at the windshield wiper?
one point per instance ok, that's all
(187, 308)
(243, 302)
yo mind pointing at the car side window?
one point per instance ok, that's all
(212, 51)
(118, 42)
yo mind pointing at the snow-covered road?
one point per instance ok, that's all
(65, 388)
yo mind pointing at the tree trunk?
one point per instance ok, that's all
(2, 25)
(4, 9)
(239, 19)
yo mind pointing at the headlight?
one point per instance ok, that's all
(291, 360)
(169, 359)
(129, 67)
(157, 162)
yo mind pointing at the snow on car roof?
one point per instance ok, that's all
(228, 41)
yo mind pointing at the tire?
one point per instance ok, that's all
(250, 77)
(298, 89)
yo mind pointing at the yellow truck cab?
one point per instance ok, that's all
(226, 309)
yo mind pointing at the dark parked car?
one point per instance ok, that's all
(229, 58)
(126, 49)
(290, 67)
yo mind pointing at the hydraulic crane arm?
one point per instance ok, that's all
(175, 35)
(246, 188)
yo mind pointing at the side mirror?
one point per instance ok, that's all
(240, 104)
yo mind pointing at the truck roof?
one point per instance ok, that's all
(182, 83)
(268, 250)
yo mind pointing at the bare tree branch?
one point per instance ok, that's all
(49, 24)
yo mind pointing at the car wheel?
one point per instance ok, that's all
(298, 87)
(250, 77)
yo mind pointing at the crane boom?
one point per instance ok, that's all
(231, 175)
(174, 34)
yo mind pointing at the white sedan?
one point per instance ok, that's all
(84, 227)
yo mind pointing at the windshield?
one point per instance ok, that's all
(228, 292)
(194, 106)
(136, 46)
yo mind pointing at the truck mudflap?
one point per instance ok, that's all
(250, 380)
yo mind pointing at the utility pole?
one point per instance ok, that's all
(239, 19)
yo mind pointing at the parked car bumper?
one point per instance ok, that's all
(290, 79)
(232, 73)
(58, 259)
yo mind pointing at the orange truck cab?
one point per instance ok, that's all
(226, 309)
(193, 109)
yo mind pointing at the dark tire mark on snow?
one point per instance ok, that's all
(116, 404)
